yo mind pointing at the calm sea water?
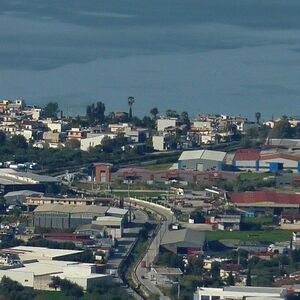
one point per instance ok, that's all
(232, 56)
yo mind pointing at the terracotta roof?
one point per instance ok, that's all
(291, 215)
(265, 196)
(247, 154)
(230, 267)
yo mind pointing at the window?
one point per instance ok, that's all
(215, 298)
(205, 297)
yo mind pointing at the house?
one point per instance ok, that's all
(225, 222)
(290, 220)
(164, 275)
(76, 134)
(184, 241)
(94, 139)
(240, 293)
(161, 142)
(164, 123)
(202, 160)
(226, 269)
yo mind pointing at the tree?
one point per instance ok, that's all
(197, 216)
(73, 144)
(230, 279)
(2, 138)
(248, 279)
(282, 129)
(51, 110)
(19, 141)
(257, 116)
(171, 113)
(95, 113)
(154, 112)
(130, 104)
(184, 118)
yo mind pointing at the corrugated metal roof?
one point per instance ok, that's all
(184, 235)
(203, 154)
(74, 209)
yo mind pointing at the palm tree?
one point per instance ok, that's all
(154, 112)
(130, 103)
(257, 116)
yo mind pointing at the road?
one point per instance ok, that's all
(124, 245)
(153, 250)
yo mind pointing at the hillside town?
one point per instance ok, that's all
(168, 206)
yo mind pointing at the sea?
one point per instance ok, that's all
(201, 56)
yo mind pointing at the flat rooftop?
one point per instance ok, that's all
(41, 253)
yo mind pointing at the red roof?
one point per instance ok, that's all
(247, 154)
(291, 215)
(263, 254)
(265, 196)
(230, 267)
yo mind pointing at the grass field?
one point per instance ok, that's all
(259, 220)
(268, 235)
(157, 167)
(253, 176)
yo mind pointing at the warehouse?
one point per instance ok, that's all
(113, 225)
(202, 160)
(272, 160)
(184, 241)
(37, 266)
(66, 216)
(246, 159)
(11, 180)
(265, 202)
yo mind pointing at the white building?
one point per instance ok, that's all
(113, 225)
(38, 274)
(37, 266)
(239, 293)
(164, 123)
(161, 142)
(94, 139)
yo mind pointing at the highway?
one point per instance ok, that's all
(166, 219)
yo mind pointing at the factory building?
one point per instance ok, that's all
(11, 181)
(272, 160)
(66, 216)
(202, 160)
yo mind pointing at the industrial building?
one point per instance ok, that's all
(240, 293)
(202, 160)
(11, 181)
(265, 202)
(35, 200)
(186, 176)
(267, 160)
(66, 216)
(37, 266)
(72, 216)
(184, 241)
(113, 225)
